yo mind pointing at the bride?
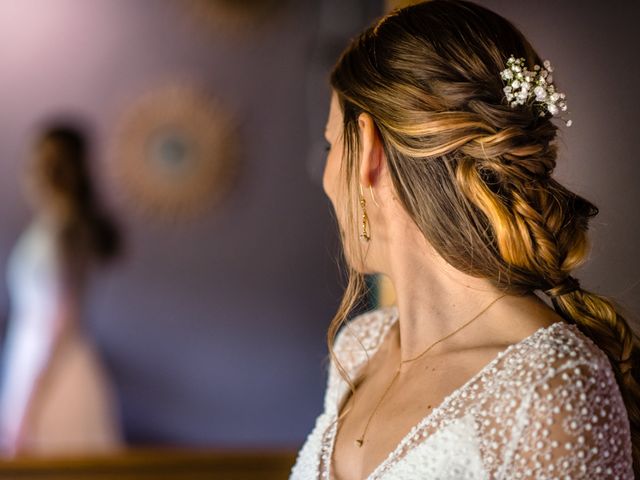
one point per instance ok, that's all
(441, 150)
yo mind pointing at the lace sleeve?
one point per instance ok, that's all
(352, 347)
(575, 426)
(347, 350)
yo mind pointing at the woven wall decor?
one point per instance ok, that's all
(233, 15)
(175, 152)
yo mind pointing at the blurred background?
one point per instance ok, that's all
(203, 122)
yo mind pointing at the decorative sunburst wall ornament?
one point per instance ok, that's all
(233, 15)
(175, 153)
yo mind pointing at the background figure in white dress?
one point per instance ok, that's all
(443, 184)
(54, 394)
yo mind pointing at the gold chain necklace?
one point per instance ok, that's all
(360, 441)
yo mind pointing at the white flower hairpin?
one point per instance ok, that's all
(536, 86)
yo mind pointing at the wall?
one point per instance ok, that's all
(213, 329)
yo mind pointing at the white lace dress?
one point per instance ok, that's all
(547, 407)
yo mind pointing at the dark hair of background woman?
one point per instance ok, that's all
(65, 170)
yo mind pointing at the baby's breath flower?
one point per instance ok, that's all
(535, 86)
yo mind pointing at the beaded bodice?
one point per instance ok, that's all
(546, 407)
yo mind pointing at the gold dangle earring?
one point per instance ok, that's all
(364, 235)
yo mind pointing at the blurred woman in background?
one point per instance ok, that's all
(54, 395)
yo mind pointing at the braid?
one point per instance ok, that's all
(534, 233)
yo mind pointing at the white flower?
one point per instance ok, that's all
(540, 93)
(507, 74)
(535, 86)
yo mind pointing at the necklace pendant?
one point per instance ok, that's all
(359, 442)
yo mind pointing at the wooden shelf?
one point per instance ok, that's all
(156, 464)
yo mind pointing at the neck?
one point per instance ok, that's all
(434, 299)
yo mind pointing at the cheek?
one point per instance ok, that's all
(331, 183)
(331, 173)
(326, 179)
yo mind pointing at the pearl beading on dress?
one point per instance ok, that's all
(547, 407)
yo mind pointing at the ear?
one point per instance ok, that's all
(372, 159)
